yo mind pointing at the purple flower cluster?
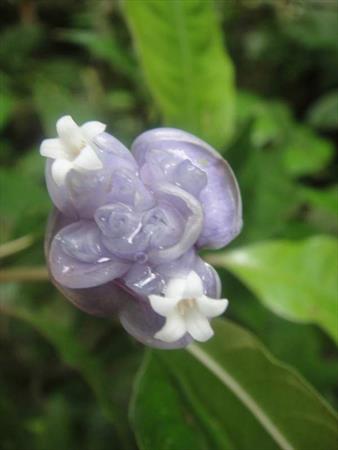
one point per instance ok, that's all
(125, 233)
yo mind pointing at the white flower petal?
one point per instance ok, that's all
(60, 168)
(53, 148)
(198, 325)
(173, 329)
(211, 307)
(193, 286)
(92, 129)
(162, 305)
(175, 288)
(70, 134)
(87, 160)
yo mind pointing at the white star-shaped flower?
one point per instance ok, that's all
(186, 309)
(73, 148)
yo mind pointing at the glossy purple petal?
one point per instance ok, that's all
(84, 192)
(148, 278)
(109, 147)
(105, 300)
(139, 319)
(144, 279)
(121, 233)
(78, 259)
(166, 149)
(190, 208)
(192, 261)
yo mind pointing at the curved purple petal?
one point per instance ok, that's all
(109, 147)
(78, 259)
(84, 192)
(160, 154)
(146, 278)
(139, 319)
(124, 231)
(104, 300)
(190, 208)
(188, 262)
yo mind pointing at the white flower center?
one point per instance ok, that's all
(72, 149)
(186, 309)
(75, 151)
(185, 304)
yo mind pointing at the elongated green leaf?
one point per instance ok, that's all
(158, 407)
(297, 280)
(228, 394)
(188, 72)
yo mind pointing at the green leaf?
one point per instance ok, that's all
(324, 113)
(24, 203)
(52, 429)
(296, 279)
(323, 199)
(163, 421)
(270, 196)
(20, 194)
(228, 394)
(188, 72)
(272, 120)
(18, 43)
(315, 27)
(103, 46)
(321, 208)
(6, 108)
(61, 100)
(307, 153)
(54, 321)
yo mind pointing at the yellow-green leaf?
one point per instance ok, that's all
(296, 279)
(187, 70)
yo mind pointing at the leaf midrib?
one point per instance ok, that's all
(185, 56)
(226, 378)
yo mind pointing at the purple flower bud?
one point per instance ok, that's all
(124, 235)
(167, 148)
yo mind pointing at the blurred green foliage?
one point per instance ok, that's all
(271, 108)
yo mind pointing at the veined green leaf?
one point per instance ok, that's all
(229, 393)
(297, 280)
(188, 72)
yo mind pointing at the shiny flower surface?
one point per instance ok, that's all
(127, 226)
